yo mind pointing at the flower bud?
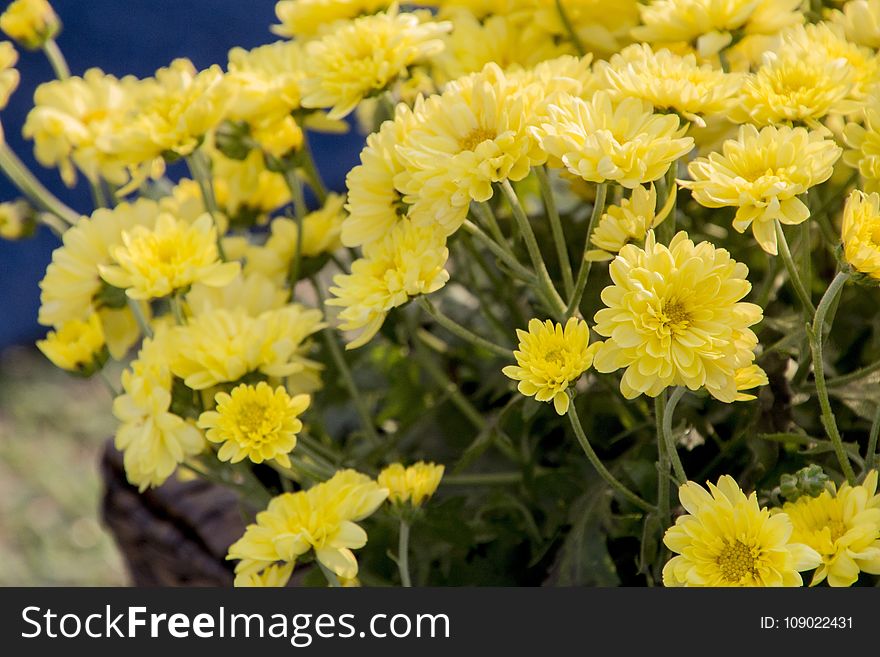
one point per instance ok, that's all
(30, 22)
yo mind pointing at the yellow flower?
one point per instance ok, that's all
(9, 76)
(674, 318)
(30, 22)
(600, 141)
(246, 191)
(255, 422)
(364, 56)
(747, 378)
(628, 222)
(762, 174)
(473, 135)
(251, 292)
(671, 82)
(76, 346)
(276, 575)
(726, 539)
(409, 261)
(321, 518)
(222, 346)
(308, 18)
(860, 232)
(414, 485)
(864, 140)
(844, 527)
(157, 262)
(16, 219)
(860, 20)
(154, 441)
(710, 25)
(550, 358)
(73, 120)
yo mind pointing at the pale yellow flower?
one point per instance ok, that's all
(276, 576)
(9, 76)
(860, 20)
(674, 317)
(726, 539)
(600, 141)
(550, 358)
(410, 485)
(860, 232)
(305, 19)
(246, 191)
(864, 142)
(763, 174)
(16, 219)
(628, 222)
(30, 22)
(76, 346)
(365, 56)
(251, 292)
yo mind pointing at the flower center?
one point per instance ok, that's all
(254, 421)
(736, 561)
(674, 316)
(555, 356)
(838, 529)
(475, 138)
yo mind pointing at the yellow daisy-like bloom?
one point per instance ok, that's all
(76, 346)
(246, 191)
(411, 485)
(364, 56)
(674, 318)
(321, 230)
(16, 219)
(72, 120)
(275, 576)
(30, 22)
(255, 422)
(408, 262)
(305, 19)
(321, 518)
(748, 378)
(154, 441)
(864, 142)
(710, 25)
(671, 82)
(726, 539)
(9, 76)
(474, 134)
(251, 292)
(550, 358)
(628, 222)
(762, 174)
(860, 20)
(602, 27)
(154, 263)
(222, 346)
(842, 526)
(601, 141)
(860, 232)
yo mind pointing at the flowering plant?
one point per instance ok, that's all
(526, 323)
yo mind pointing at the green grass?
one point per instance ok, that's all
(52, 429)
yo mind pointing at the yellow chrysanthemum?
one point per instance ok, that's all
(748, 378)
(76, 346)
(246, 191)
(9, 76)
(602, 27)
(473, 135)
(550, 358)
(255, 422)
(222, 346)
(408, 262)
(73, 121)
(16, 219)
(364, 56)
(275, 576)
(30, 22)
(710, 25)
(674, 318)
(726, 539)
(157, 262)
(860, 232)
(251, 292)
(321, 518)
(628, 222)
(864, 142)
(860, 20)
(411, 485)
(304, 19)
(671, 82)
(762, 174)
(600, 141)
(842, 526)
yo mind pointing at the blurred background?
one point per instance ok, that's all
(52, 425)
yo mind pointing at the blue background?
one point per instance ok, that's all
(131, 37)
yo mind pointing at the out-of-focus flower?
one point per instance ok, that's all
(860, 232)
(76, 346)
(305, 19)
(30, 22)
(628, 222)
(16, 220)
(9, 76)
(411, 485)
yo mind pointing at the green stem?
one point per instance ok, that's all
(454, 327)
(566, 23)
(556, 229)
(21, 176)
(871, 455)
(139, 317)
(177, 310)
(666, 231)
(499, 252)
(667, 415)
(56, 59)
(53, 222)
(300, 210)
(487, 216)
(200, 169)
(403, 554)
(815, 334)
(311, 171)
(584, 269)
(594, 459)
(793, 275)
(557, 304)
